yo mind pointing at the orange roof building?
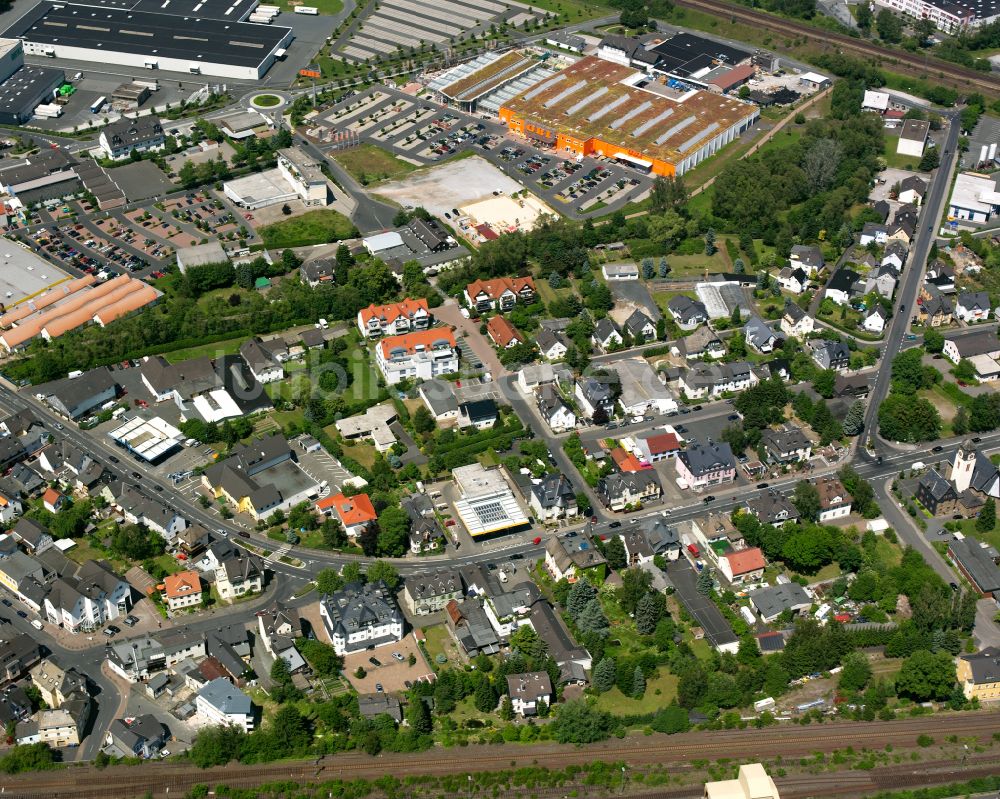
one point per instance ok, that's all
(182, 590)
(744, 565)
(394, 318)
(626, 461)
(501, 293)
(355, 513)
(53, 499)
(594, 107)
(503, 333)
(423, 354)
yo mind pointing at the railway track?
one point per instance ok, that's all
(127, 782)
(946, 73)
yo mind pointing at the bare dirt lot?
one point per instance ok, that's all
(442, 188)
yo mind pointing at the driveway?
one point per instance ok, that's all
(450, 314)
(685, 580)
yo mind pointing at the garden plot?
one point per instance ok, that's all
(442, 188)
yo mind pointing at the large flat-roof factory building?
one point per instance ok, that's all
(23, 89)
(597, 107)
(208, 37)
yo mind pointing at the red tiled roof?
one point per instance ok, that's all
(392, 311)
(625, 461)
(495, 288)
(503, 332)
(746, 560)
(351, 510)
(421, 339)
(663, 442)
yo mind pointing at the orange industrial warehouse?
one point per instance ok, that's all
(597, 107)
(75, 305)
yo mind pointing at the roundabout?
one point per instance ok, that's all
(268, 101)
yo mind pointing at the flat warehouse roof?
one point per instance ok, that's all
(650, 122)
(205, 9)
(149, 34)
(24, 86)
(685, 54)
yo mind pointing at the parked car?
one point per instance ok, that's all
(375, 662)
(615, 525)
(398, 656)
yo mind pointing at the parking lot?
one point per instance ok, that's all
(419, 130)
(392, 673)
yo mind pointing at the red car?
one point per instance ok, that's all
(536, 540)
(449, 523)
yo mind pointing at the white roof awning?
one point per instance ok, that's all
(634, 160)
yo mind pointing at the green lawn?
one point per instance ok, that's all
(266, 100)
(439, 642)
(371, 164)
(614, 701)
(547, 294)
(695, 265)
(312, 227)
(968, 528)
(227, 347)
(893, 159)
(329, 7)
(360, 451)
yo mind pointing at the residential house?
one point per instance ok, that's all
(759, 336)
(439, 398)
(706, 464)
(57, 727)
(772, 507)
(772, 601)
(503, 334)
(55, 683)
(263, 363)
(374, 424)
(53, 500)
(127, 135)
(355, 513)
(425, 532)
(278, 627)
(653, 447)
(935, 311)
(875, 233)
(882, 209)
(834, 501)
(973, 306)
(315, 273)
(182, 590)
(618, 491)
(936, 494)
(882, 281)
(626, 270)
(701, 344)
(808, 257)
(796, 322)
(239, 575)
(88, 599)
(260, 477)
(220, 702)
(788, 445)
(875, 320)
(75, 397)
(652, 537)
(528, 690)
(977, 564)
(640, 327)
(468, 623)
(743, 566)
(840, 289)
(553, 498)
(499, 294)
(371, 706)
(912, 139)
(572, 659)
(712, 380)
(395, 318)
(359, 616)
(941, 276)
(642, 389)
(894, 255)
(552, 346)
(138, 736)
(606, 335)
(556, 413)
(971, 345)
(830, 354)
(424, 594)
(10, 507)
(479, 414)
(193, 540)
(912, 190)
(137, 508)
(979, 674)
(19, 652)
(687, 313)
(569, 554)
(592, 394)
(419, 355)
(794, 280)
(34, 537)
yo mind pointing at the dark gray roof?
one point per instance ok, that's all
(977, 564)
(771, 507)
(440, 396)
(636, 322)
(226, 697)
(126, 132)
(936, 486)
(553, 491)
(978, 342)
(974, 300)
(687, 310)
(807, 254)
(842, 280)
(773, 600)
(758, 333)
(711, 456)
(605, 328)
(985, 665)
(794, 312)
(438, 583)
(372, 705)
(357, 605)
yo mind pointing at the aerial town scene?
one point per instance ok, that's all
(499, 399)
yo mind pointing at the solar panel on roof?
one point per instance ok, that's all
(675, 129)
(587, 100)
(645, 105)
(698, 137)
(650, 122)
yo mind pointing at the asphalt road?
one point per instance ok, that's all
(909, 288)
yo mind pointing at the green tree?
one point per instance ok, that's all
(635, 585)
(909, 419)
(648, 613)
(393, 532)
(933, 340)
(805, 498)
(638, 683)
(384, 571)
(705, 584)
(965, 371)
(854, 422)
(422, 420)
(526, 641)
(322, 657)
(863, 16)
(605, 674)
(931, 160)
(986, 521)
(506, 708)
(889, 26)
(614, 552)
(592, 619)
(485, 697)
(855, 674)
(579, 723)
(926, 675)
(328, 581)
(824, 381)
(418, 716)
(580, 595)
